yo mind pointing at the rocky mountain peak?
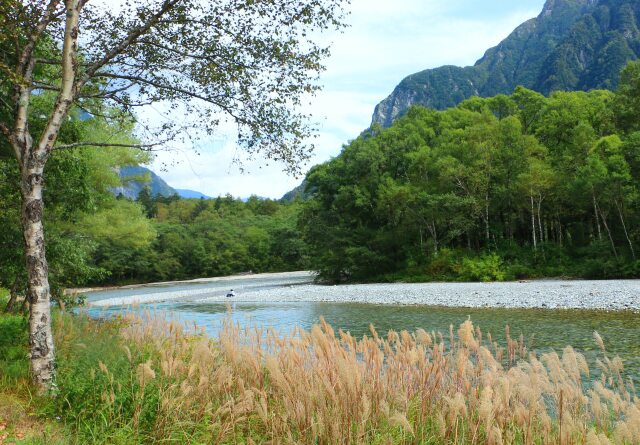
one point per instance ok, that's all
(570, 45)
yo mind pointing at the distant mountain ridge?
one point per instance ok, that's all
(135, 178)
(192, 194)
(571, 45)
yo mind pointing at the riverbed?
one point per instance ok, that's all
(298, 287)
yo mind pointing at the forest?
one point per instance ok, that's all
(205, 238)
(508, 187)
(97, 238)
(501, 188)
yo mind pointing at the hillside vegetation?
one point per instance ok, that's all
(500, 188)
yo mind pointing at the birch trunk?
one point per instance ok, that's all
(434, 234)
(546, 230)
(626, 233)
(606, 226)
(540, 219)
(533, 225)
(486, 219)
(595, 212)
(24, 307)
(560, 232)
(12, 301)
(32, 159)
(38, 294)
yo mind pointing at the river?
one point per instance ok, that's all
(283, 301)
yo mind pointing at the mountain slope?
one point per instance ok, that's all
(571, 45)
(136, 178)
(296, 193)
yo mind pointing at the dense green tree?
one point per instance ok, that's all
(547, 185)
(627, 102)
(83, 179)
(193, 238)
(145, 199)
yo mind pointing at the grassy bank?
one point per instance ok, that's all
(134, 381)
(21, 417)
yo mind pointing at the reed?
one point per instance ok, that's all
(145, 380)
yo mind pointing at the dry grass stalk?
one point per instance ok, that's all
(319, 387)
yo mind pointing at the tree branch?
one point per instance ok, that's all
(129, 105)
(42, 61)
(5, 130)
(211, 59)
(153, 83)
(177, 51)
(69, 68)
(132, 36)
(191, 94)
(107, 94)
(27, 52)
(105, 144)
(44, 86)
(6, 104)
(55, 62)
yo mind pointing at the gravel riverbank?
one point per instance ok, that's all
(606, 295)
(296, 287)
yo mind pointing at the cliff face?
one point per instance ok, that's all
(136, 178)
(571, 45)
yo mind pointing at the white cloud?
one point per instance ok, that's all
(386, 42)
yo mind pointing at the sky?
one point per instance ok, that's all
(385, 42)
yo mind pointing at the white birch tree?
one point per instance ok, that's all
(252, 61)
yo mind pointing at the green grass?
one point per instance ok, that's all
(13, 349)
(20, 419)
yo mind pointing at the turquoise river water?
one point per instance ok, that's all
(542, 329)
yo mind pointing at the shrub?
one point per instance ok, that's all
(485, 268)
(444, 266)
(519, 271)
(631, 269)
